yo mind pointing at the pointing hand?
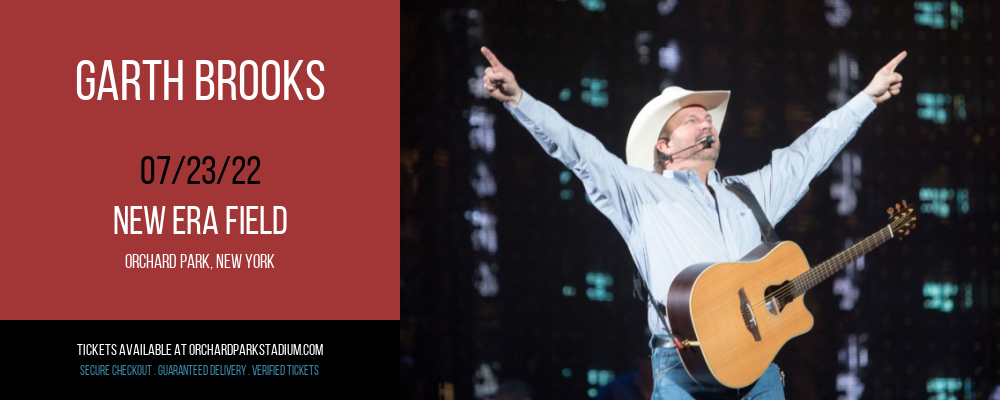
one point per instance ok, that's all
(499, 81)
(886, 82)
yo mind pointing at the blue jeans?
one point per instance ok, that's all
(671, 381)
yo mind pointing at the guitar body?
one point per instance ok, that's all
(721, 311)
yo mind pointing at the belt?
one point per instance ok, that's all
(663, 342)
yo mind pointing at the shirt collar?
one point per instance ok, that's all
(713, 176)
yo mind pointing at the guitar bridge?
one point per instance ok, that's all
(748, 316)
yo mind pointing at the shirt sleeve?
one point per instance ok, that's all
(782, 183)
(608, 180)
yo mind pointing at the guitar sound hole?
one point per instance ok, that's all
(777, 296)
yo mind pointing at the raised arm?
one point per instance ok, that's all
(610, 183)
(779, 185)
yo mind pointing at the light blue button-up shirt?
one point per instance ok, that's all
(671, 221)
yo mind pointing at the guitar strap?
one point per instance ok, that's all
(641, 291)
(743, 192)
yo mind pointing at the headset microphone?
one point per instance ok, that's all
(707, 141)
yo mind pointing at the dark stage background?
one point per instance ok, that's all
(509, 274)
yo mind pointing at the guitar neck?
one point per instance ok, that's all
(817, 274)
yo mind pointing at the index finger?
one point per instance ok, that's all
(492, 58)
(891, 66)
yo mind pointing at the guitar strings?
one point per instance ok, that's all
(846, 256)
(814, 275)
(827, 268)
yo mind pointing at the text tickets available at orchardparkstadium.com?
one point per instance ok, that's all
(199, 349)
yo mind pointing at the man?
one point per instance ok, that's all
(669, 202)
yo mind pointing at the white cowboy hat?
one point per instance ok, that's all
(648, 124)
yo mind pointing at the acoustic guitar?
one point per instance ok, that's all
(730, 319)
